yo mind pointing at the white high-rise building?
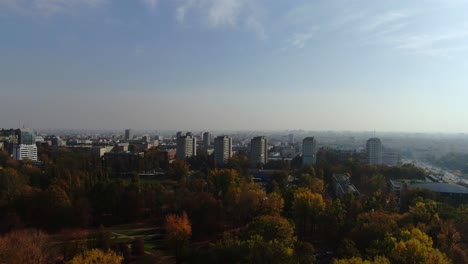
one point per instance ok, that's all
(186, 147)
(23, 151)
(309, 151)
(259, 151)
(374, 151)
(222, 149)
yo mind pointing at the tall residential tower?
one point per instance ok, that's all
(374, 151)
(222, 149)
(186, 147)
(259, 151)
(309, 151)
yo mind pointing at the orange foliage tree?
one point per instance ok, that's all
(178, 232)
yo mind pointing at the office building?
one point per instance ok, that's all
(222, 149)
(374, 151)
(309, 151)
(291, 139)
(26, 137)
(128, 134)
(390, 157)
(207, 139)
(259, 151)
(23, 152)
(186, 147)
(343, 185)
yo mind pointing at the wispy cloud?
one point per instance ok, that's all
(47, 7)
(300, 40)
(383, 21)
(151, 4)
(434, 44)
(223, 14)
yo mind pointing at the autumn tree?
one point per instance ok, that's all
(222, 180)
(97, 256)
(178, 232)
(24, 247)
(358, 260)
(414, 246)
(178, 169)
(11, 184)
(271, 228)
(306, 208)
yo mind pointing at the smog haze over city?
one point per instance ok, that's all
(235, 65)
(234, 131)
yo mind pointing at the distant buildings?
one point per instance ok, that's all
(222, 149)
(309, 151)
(445, 192)
(291, 139)
(207, 139)
(343, 185)
(186, 147)
(20, 143)
(374, 151)
(259, 151)
(25, 151)
(128, 134)
(390, 157)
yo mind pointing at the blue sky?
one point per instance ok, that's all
(235, 64)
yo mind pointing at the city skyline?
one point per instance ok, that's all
(392, 66)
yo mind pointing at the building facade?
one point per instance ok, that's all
(128, 134)
(222, 149)
(259, 151)
(309, 151)
(207, 139)
(374, 151)
(186, 147)
(23, 151)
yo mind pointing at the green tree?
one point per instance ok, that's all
(271, 228)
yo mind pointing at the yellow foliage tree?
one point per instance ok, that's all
(94, 256)
(377, 260)
(306, 208)
(416, 247)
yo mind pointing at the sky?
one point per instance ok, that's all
(387, 65)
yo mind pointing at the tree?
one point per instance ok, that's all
(306, 208)
(415, 246)
(11, 184)
(24, 247)
(273, 204)
(271, 228)
(347, 249)
(103, 238)
(373, 226)
(222, 181)
(97, 256)
(178, 232)
(303, 253)
(245, 202)
(358, 260)
(138, 247)
(178, 169)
